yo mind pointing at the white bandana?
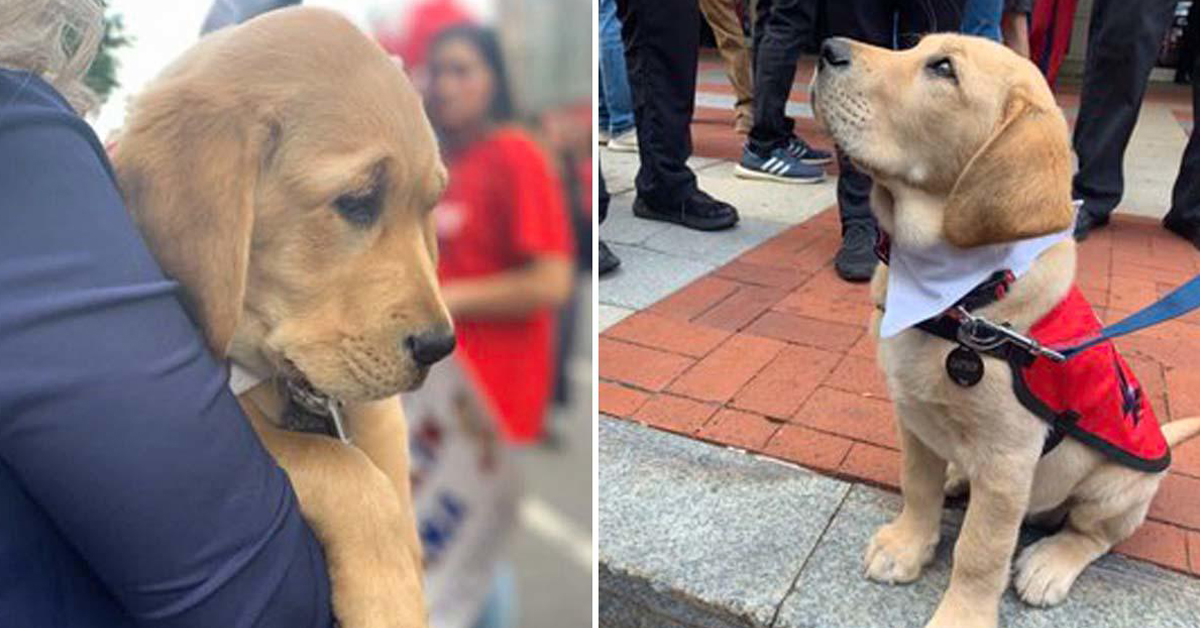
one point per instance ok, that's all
(241, 378)
(923, 283)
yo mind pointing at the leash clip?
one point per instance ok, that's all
(980, 334)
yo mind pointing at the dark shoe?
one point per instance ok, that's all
(1189, 231)
(1085, 222)
(608, 260)
(856, 259)
(699, 211)
(798, 149)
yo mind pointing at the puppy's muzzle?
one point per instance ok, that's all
(835, 54)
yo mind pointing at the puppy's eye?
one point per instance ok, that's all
(360, 210)
(942, 68)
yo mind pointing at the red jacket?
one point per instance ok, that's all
(1093, 397)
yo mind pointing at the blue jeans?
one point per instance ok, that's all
(615, 100)
(982, 17)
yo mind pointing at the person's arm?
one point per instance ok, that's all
(544, 282)
(115, 418)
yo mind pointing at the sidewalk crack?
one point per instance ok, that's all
(808, 557)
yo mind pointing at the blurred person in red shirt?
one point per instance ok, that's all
(505, 241)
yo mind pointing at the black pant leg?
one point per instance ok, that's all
(1185, 197)
(604, 197)
(920, 17)
(868, 21)
(662, 48)
(1123, 41)
(783, 27)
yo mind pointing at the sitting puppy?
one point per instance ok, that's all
(970, 160)
(284, 172)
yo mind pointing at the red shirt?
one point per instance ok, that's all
(504, 206)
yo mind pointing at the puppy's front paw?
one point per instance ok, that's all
(896, 554)
(1044, 573)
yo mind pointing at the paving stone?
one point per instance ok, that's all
(696, 298)
(741, 308)
(808, 447)
(723, 372)
(736, 428)
(1114, 592)
(652, 330)
(618, 400)
(646, 276)
(677, 414)
(708, 527)
(877, 465)
(643, 367)
(786, 382)
(1177, 501)
(807, 331)
(1157, 542)
(851, 415)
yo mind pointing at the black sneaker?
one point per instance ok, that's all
(1085, 222)
(699, 211)
(1187, 230)
(608, 260)
(856, 260)
(798, 149)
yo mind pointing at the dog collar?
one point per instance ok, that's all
(307, 409)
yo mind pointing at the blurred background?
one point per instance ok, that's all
(529, 559)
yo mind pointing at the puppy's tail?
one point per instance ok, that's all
(1180, 430)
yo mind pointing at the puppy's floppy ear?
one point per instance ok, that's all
(187, 163)
(1019, 184)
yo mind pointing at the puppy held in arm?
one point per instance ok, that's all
(284, 173)
(968, 151)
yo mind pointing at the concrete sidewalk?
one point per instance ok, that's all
(747, 339)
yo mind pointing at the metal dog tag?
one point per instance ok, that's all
(964, 367)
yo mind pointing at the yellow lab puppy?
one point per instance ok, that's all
(284, 172)
(968, 149)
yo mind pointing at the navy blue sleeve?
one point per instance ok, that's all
(114, 417)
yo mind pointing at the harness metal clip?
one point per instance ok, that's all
(980, 334)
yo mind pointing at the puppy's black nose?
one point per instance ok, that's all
(835, 52)
(429, 347)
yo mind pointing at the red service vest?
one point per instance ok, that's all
(1094, 397)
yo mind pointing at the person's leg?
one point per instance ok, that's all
(869, 21)
(982, 18)
(1184, 217)
(1123, 40)
(781, 29)
(602, 110)
(614, 80)
(662, 45)
(731, 43)
(607, 261)
(1014, 25)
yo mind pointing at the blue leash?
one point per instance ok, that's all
(1182, 300)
